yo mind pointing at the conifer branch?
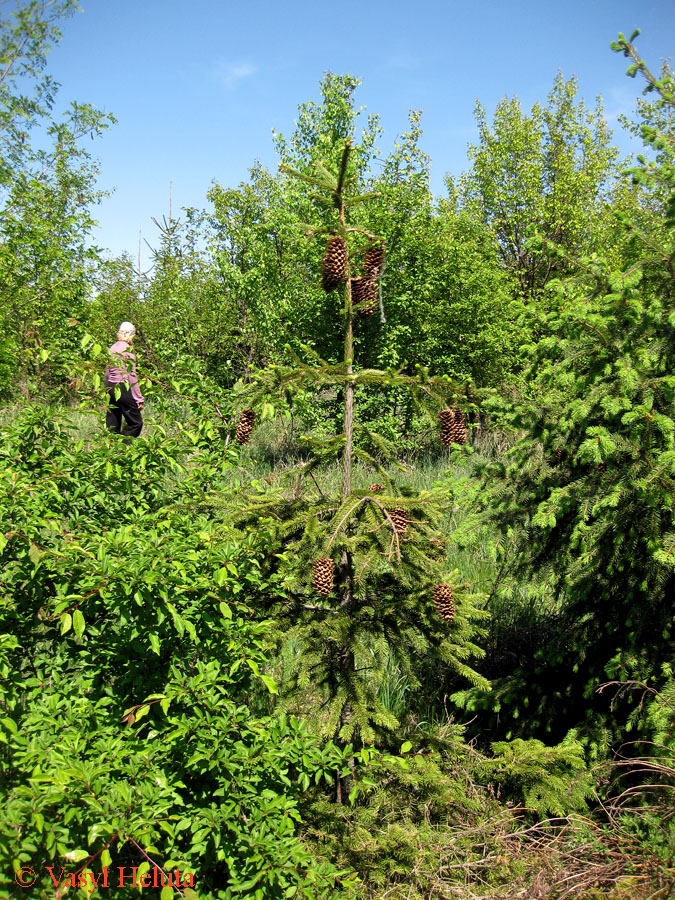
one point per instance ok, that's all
(384, 512)
(315, 182)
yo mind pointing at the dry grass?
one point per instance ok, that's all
(494, 859)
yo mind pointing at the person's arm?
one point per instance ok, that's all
(136, 394)
(132, 380)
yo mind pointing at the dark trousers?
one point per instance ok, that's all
(127, 408)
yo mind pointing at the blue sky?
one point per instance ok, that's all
(198, 87)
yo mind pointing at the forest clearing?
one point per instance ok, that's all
(356, 578)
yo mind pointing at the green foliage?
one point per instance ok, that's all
(549, 781)
(452, 302)
(45, 200)
(441, 285)
(587, 493)
(441, 823)
(130, 663)
(548, 172)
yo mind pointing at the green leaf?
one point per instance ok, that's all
(154, 642)
(225, 610)
(78, 623)
(34, 553)
(66, 622)
(76, 855)
(270, 684)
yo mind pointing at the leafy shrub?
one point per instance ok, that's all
(130, 660)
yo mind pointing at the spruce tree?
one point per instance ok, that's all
(362, 571)
(587, 492)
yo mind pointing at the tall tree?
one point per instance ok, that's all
(363, 568)
(45, 194)
(547, 172)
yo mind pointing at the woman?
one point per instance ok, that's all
(125, 398)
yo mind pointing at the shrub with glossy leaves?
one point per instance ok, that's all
(130, 670)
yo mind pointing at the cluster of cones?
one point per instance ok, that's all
(364, 293)
(453, 426)
(323, 575)
(245, 426)
(335, 270)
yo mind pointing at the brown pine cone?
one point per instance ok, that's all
(323, 570)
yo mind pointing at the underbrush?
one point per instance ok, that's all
(459, 824)
(440, 817)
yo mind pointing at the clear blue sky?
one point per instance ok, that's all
(198, 86)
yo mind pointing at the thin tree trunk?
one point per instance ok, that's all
(349, 400)
(346, 566)
(349, 363)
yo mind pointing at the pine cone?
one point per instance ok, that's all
(376, 487)
(400, 519)
(439, 546)
(364, 295)
(444, 601)
(447, 417)
(245, 426)
(323, 570)
(374, 260)
(602, 466)
(555, 458)
(457, 430)
(335, 264)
